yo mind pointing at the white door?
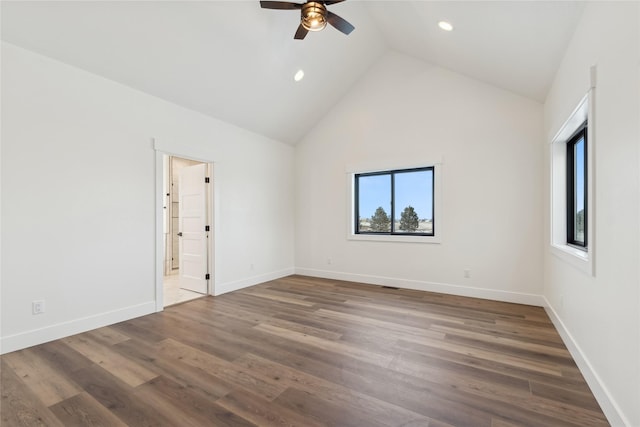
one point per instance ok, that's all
(192, 219)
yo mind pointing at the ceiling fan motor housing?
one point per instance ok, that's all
(313, 16)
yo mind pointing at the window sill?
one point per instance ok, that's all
(401, 239)
(579, 258)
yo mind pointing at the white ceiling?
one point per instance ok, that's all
(235, 61)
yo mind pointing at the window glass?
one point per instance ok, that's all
(395, 202)
(413, 202)
(577, 213)
(580, 180)
(374, 203)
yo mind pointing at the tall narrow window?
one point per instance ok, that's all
(573, 161)
(397, 202)
(577, 214)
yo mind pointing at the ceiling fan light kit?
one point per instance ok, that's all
(314, 16)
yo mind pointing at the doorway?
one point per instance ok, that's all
(186, 223)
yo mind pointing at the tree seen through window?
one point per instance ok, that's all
(395, 202)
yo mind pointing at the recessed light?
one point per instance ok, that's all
(298, 76)
(445, 25)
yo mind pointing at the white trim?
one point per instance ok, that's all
(438, 216)
(576, 257)
(580, 259)
(223, 288)
(391, 238)
(386, 165)
(160, 249)
(576, 118)
(167, 223)
(72, 327)
(443, 288)
(609, 406)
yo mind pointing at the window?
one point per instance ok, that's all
(572, 166)
(396, 202)
(577, 213)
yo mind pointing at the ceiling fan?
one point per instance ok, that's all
(313, 16)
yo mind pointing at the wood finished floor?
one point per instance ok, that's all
(306, 352)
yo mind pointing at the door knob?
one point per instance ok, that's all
(180, 234)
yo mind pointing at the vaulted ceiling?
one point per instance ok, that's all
(234, 61)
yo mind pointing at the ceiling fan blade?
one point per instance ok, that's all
(301, 33)
(279, 5)
(339, 23)
(330, 2)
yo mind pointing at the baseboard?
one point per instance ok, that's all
(223, 288)
(607, 403)
(76, 326)
(444, 288)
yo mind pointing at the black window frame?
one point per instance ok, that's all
(579, 134)
(392, 174)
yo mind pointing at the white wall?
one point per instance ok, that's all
(599, 316)
(405, 111)
(78, 198)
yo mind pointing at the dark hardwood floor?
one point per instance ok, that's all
(301, 351)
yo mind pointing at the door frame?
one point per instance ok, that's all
(159, 218)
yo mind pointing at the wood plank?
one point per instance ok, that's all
(426, 344)
(182, 407)
(318, 409)
(506, 342)
(192, 377)
(84, 410)
(401, 390)
(438, 355)
(61, 357)
(19, 406)
(220, 368)
(398, 329)
(451, 376)
(263, 412)
(404, 310)
(318, 330)
(206, 335)
(337, 347)
(379, 410)
(145, 328)
(118, 398)
(566, 395)
(280, 298)
(44, 381)
(131, 373)
(108, 335)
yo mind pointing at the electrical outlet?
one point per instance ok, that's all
(252, 267)
(329, 260)
(467, 273)
(37, 307)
